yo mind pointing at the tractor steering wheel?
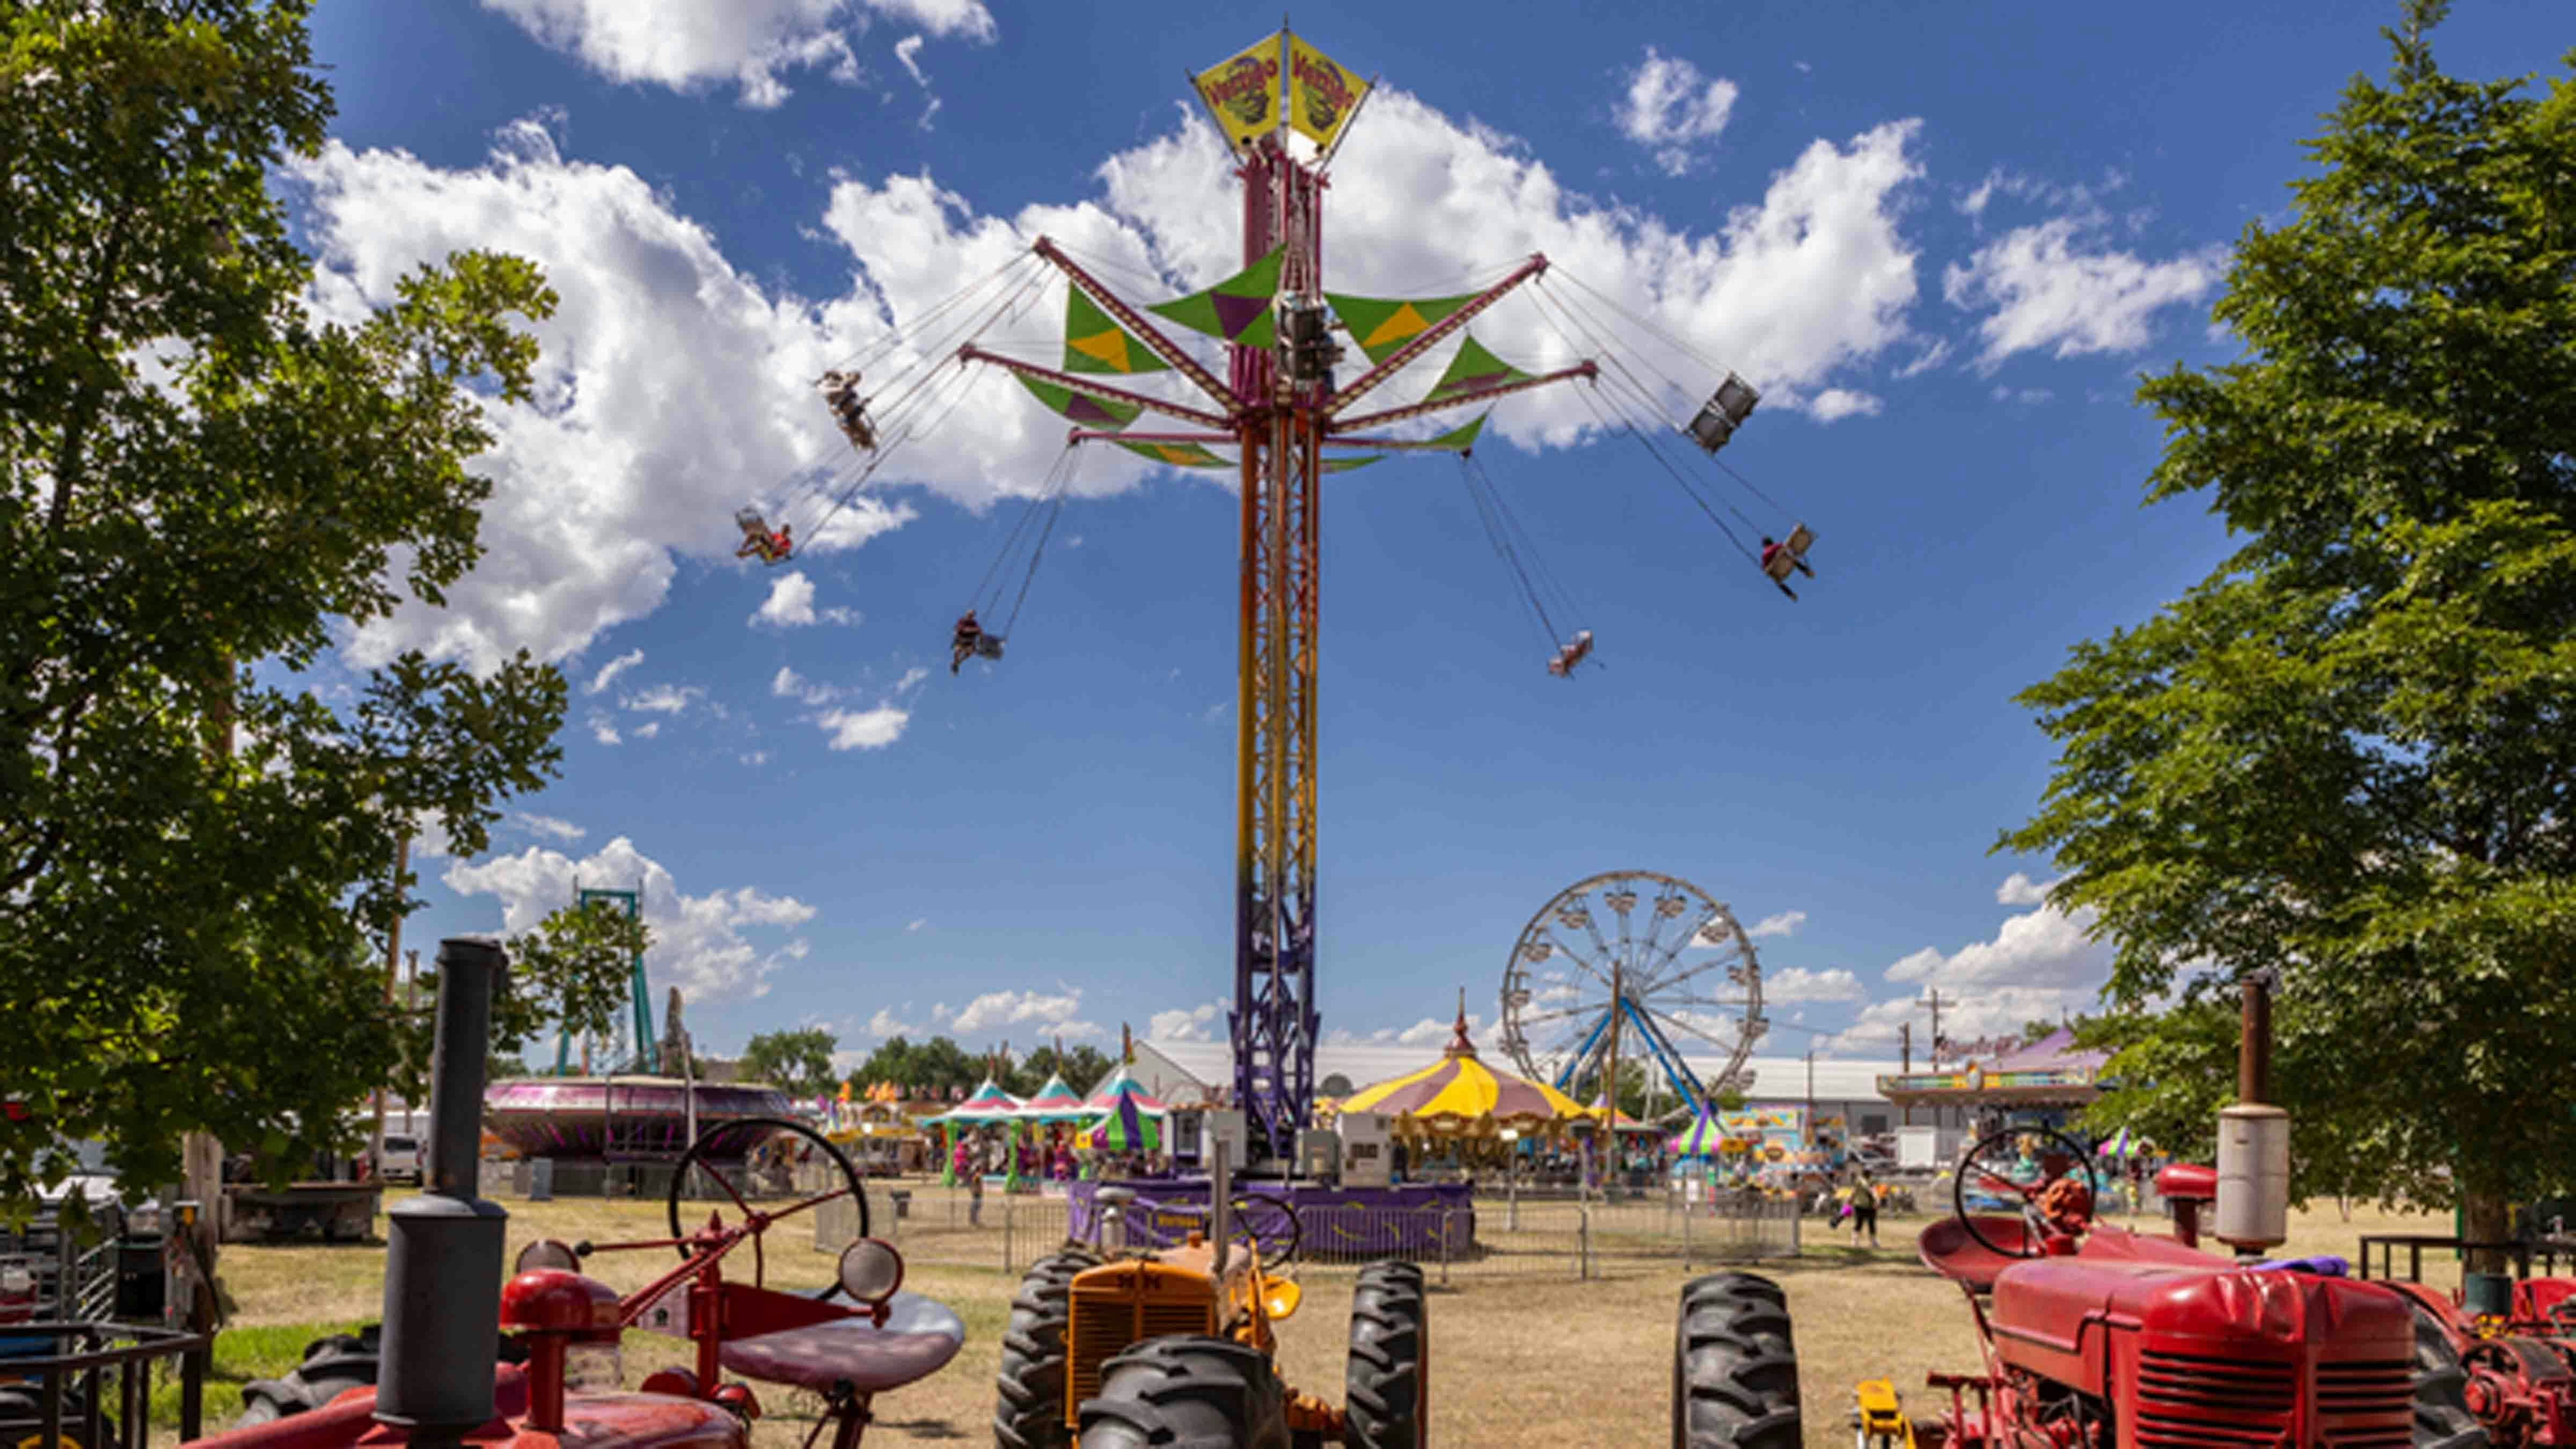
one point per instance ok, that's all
(1280, 1210)
(756, 1132)
(2048, 1206)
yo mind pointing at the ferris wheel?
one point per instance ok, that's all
(1645, 965)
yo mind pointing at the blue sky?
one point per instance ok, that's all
(1944, 246)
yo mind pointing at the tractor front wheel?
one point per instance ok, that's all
(1028, 1398)
(1387, 1386)
(1187, 1393)
(1735, 1371)
(2442, 1417)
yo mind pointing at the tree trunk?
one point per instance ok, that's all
(2487, 1217)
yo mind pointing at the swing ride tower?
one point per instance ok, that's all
(1290, 420)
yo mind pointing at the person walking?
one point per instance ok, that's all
(973, 1151)
(1864, 1206)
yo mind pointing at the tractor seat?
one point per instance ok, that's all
(919, 1338)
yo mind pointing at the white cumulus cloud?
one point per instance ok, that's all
(995, 1010)
(886, 1024)
(608, 672)
(1198, 1023)
(1670, 107)
(2039, 964)
(549, 826)
(668, 375)
(701, 943)
(1800, 984)
(663, 698)
(1784, 924)
(864, 729)
(2019, 889)
(791, 603)
(688, 45)
(2058, 285)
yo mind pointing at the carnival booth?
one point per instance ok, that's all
(1456, 1109)
(1050, 1115)
(1129, 1122)
(986, 1108)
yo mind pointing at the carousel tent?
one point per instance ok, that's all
(987, 1103)
(1460, 1096)
(1121, 1086)
(1054, 1102)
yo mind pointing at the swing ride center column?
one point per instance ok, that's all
(1279, 431)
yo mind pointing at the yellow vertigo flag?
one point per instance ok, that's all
(1321, 95)
(1242, 91)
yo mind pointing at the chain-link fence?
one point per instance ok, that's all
(1493, 1238)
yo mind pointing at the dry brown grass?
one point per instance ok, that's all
(1539, 1359)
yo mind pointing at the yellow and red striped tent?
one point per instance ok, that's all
(1460, 1095)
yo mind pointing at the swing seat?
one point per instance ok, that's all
(750, 521)
(1724, 412)
(988, 646)
(1792, 552)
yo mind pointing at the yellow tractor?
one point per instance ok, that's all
(1174, 1348)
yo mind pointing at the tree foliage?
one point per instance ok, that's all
(207, 485)
(935, 1068)
(1082, 1068)
(798, 1063)
(2346, 755)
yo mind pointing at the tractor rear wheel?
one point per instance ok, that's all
(22, 1419)
(1387, 1385)
(1735, 1370)
(332, 1366)
(2442, 1417)
(1028, 1397)
(1187, 1392)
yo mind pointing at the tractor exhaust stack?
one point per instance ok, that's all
(444, 1248)
(2253, 1139)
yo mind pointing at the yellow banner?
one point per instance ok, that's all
(1321, 95)
(1242, 91)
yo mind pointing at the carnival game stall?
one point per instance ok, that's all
(987, 1113)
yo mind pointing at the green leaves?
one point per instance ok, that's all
(2346, 754)
(797, 1062)
(205, 489)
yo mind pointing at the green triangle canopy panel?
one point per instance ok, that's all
(1472, 369)
(1094, 342)
(1345, 465)
(1178, 455)
(1236, 310)
(1098, 412)
(1380, 325)
(1460, 438)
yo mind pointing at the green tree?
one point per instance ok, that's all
(2346, 755)
(1082, 1068)
(206, 485)
(797, 1062)
(932, 1069)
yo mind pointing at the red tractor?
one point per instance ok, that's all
(2096, 1337)
(531, 1363)
(2518, 1366)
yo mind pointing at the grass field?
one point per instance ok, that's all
(1538, 1360)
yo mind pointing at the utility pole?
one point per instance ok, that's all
(1811, 1097)
(393, 957)
(1905, 1059)
(1936, 1028)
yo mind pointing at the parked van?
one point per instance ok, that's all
(401, 1162)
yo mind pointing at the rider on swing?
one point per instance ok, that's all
(968, 640)
(757, 540)
(841, 393)
(1570, 654)
(1777, 560)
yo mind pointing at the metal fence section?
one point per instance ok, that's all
(1494, 1239)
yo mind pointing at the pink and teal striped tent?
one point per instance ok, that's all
(1054, 1102)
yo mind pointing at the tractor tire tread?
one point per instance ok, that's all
(1735, 1366)
(1028, 1392)
(1384, 1388)
(1187, 1392)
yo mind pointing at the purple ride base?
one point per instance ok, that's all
(620, 1118)
(1416, 1220)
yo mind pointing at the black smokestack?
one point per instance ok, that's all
(444, 1247)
